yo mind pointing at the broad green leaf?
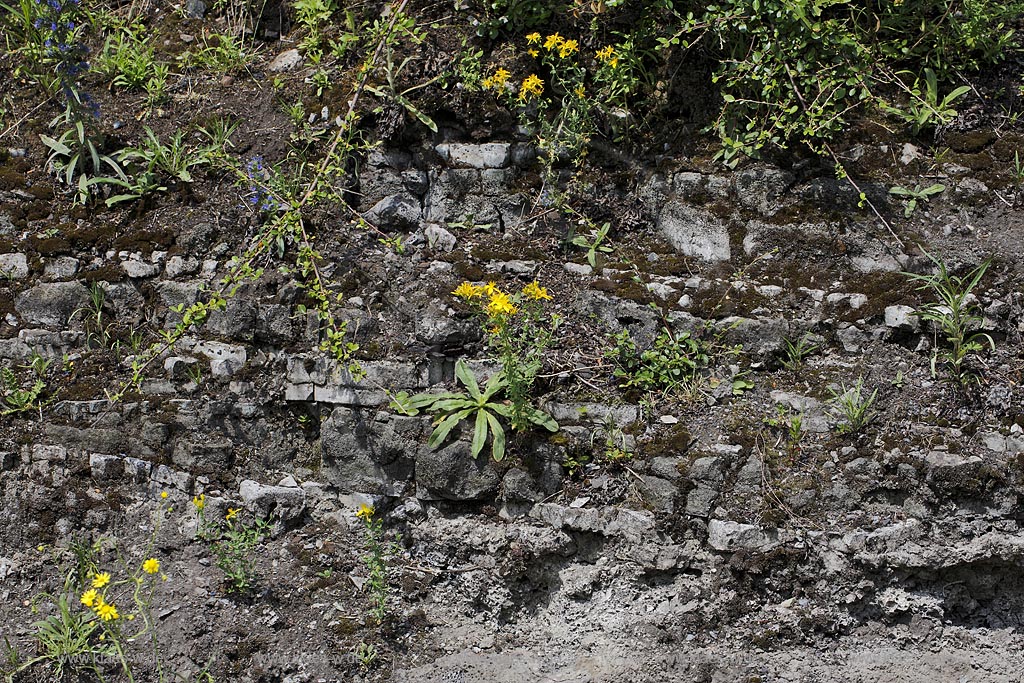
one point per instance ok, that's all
(445, 427)
(542, 419)
(495, 384)
(480, 432)
(497, 438)
(58, 147)
(465, 375)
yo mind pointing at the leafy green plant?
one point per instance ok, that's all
(17, 399)
(391, 88)
(313, 16)
(789, 424)
(794, 352)
(366, 655)
(797, 71)
(615, 447)
(667, 366)
(76, 159)
(955, 316)
(853, 406)
(595, 244)
(916, 195)
(519, 330)
(925, 109)
(127, 59)
(375, 560)
(154, 163)
(233, 543)
(97, 333)
(221, 53)
(481, 406)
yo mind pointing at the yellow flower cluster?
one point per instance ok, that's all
(536, 292)
(366, 511)
(553, 42)
(499, 303)
(98, 604)
(498, 80)
(567, 48)
(608, 56)
(532, 86)
(199, 501)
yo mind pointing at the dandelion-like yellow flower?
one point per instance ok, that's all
(151, 566)
(90, 597)
(532, 85)
(533, 38)
(567, 48)
(468, 291)
(232, 513)
(365, 512)
(553, 42)
(164, 494)
(501, 304)
(106, 611)
(536, 292)
(199, 501)
(101, 580)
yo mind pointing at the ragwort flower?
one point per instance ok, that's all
(536, 292)
(151, 566)
(532, 85)
(501, 304)
(101, 580)
(468, 291)
(90, 597)
(106, 611)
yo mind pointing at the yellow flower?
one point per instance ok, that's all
(605, 53)
(533, 38)
(533, 52)
(106, 611)
(491, 288)
(536, 292)
(151, 566)
(553, 41)
(199, 501)
(90, 597)
(501, 304)
(487, 83)
(365, 512)
(164, 494)
(468, 291)
(580, 91)
(567, 48)
(532, 85)
(232, 513)
(501, 77)
(101, 580)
